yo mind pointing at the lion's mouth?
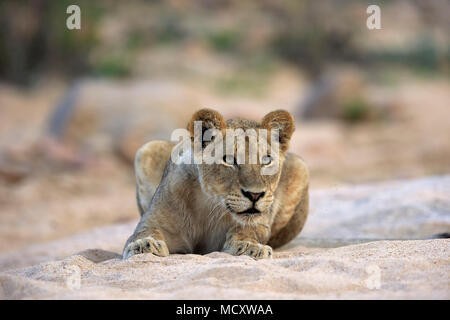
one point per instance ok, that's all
(251, 210)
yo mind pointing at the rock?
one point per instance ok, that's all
(331, 91)
(344, 94)
(13, 173)
(107, 116)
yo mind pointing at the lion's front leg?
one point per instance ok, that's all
(148, 238)
(146, 245)
(248, 241)
(248, 247)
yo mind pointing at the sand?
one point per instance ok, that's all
(384, 269)
(341, 254)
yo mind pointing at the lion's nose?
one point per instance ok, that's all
(253, 196)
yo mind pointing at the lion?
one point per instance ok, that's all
(225, 206)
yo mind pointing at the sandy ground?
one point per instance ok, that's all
(384, 269)
(332, 257)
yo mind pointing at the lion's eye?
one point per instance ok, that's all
(229, 159)
(266, 160)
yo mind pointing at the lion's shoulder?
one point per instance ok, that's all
(294, 171)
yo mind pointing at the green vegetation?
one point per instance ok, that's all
(116, 66)
(302, 33)
(136, 39)
(247, 84)
(44, 42)
(168, 29)
(355, 110)
(251, 78)
(224, 40)
(423, 56)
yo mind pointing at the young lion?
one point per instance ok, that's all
(200, 208)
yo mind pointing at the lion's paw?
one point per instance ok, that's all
(146, 245)
(252, 249)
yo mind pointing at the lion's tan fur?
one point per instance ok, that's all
(192, 208)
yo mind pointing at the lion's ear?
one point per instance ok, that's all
(210, 119)
(284, 122)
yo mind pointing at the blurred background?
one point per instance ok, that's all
(75, 105)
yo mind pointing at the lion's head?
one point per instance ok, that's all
(244, 180)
